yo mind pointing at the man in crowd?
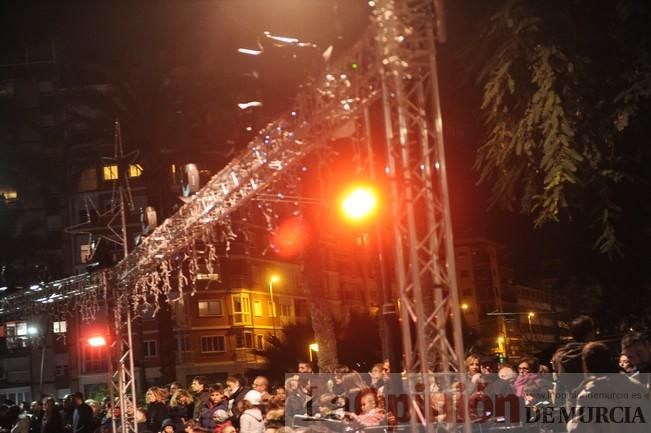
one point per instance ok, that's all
(82, 416)
(636, 347)
(199, 387)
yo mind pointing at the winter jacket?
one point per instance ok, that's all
(206, 413)
(251, 421)
(156, 413)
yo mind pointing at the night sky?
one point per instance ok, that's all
(204, 36)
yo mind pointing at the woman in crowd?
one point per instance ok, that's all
(251, 420)
(156, 408)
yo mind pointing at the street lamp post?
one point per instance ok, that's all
(312, 348)
(274, 279)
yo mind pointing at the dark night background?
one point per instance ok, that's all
(176, 63)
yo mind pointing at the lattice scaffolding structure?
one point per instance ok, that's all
(394, 65)
(420, 208)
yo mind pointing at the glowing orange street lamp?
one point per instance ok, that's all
(359, 204)
(273, 280)
(313, 347)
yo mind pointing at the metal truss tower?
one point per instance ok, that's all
(420, 208)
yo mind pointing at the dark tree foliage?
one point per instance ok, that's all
(358, 343)
(566, 87)
(284, 350)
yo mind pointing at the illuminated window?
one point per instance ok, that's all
(272, 308)
(60, 327)
(85, 252)
(135, 170)
(257, 308)
(211, 308)
(8, 194)
(259, 342)
(241, 309)
(110, 172)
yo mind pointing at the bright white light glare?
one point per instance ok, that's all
(97, 341)
(249, 51)
(245, 105)
(249, 128)
(32, 330)
(284, 39)
(35, 288)
(2, 289)
(437, 165)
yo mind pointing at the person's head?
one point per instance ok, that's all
(93, 405)
(488, 364)
(252, 399)
(174, 386)
(181, 398)
(637, 349)
(219, 416)
(328, 402)
(190, 426)
(77, 399)
(473, 364)
(50, 405)
(141, 415)
(217, 394)
(232, 384)
(229, 429)
(596, 358)
(154, 394)
(67, 401)
(261, 384)
(168, 426)
(625, 365)
(280, 393)
(582, 329)
(36, 406)
(376, 372)
(368, 401)
(199, 383)
(527, 366)
(532, 393)
(305, 367)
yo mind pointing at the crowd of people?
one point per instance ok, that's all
(576, 372)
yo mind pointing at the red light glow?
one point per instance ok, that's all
(290, 238)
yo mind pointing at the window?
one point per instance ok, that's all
(110, 172)
(241, 309)
(257, 308)
(213, 343)
(150, 348)
(183, 343)
(94, 359)
(211, 308)
(271, 306)
(88, 180)
(244, 340)
(301, 308)
(259, 342)
(285, 310)
(85, 252)
(135, 170)
(60, 327)
(61, 370)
